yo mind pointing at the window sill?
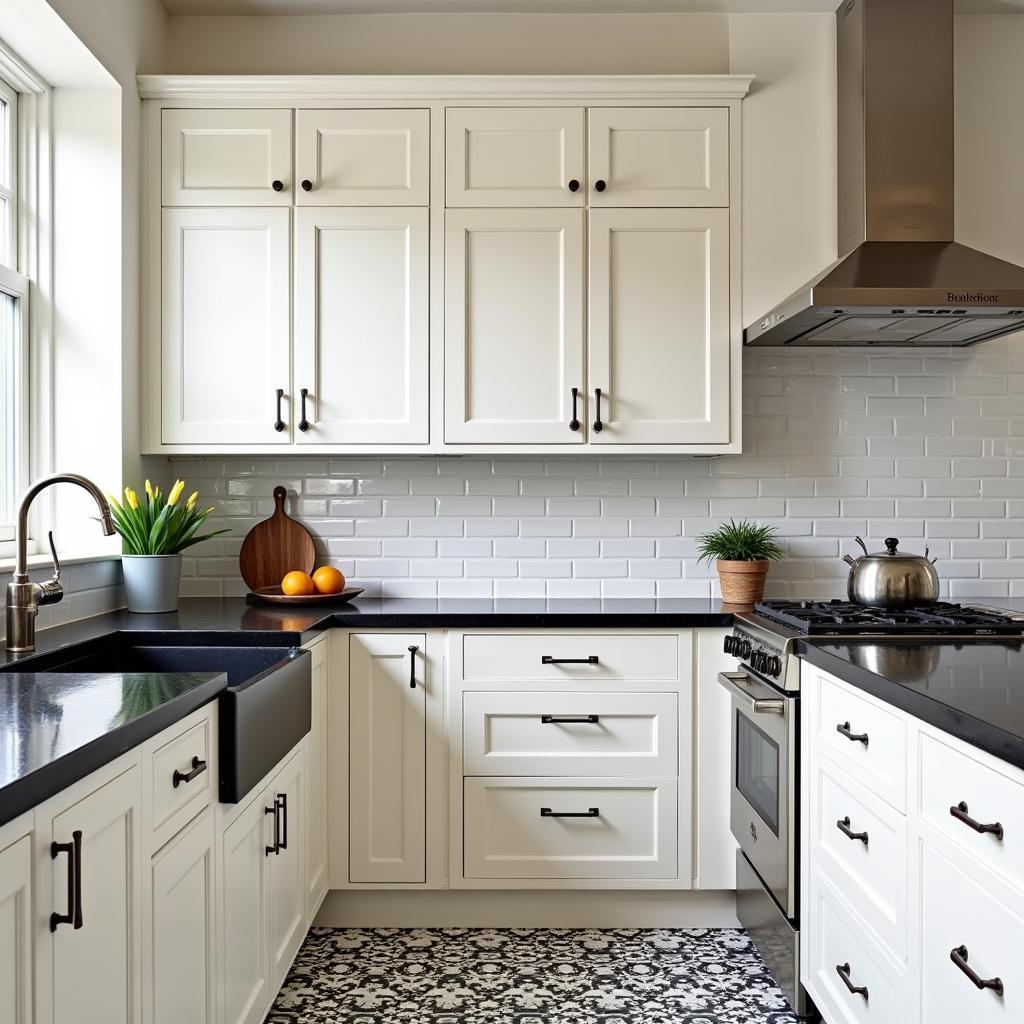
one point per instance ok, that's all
(44, 560)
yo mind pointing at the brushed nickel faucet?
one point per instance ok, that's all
(23, 596)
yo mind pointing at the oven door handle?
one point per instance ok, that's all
(739, 685)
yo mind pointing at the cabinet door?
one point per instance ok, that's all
(225, 344)
(183, 965)
(659, 156)
(316, 782)
(387, 751)
(16, 932)
(513, 326)
(659, 326)
(95, 969)
(362, 157)
(361, 325)
(226, 157)
(509, 156)
(286, 868)
(244, 913)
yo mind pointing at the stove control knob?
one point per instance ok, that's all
(729, 644)
(757, 661)
(743, 648)
(774, 665)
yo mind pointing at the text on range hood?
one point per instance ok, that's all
(903, 280)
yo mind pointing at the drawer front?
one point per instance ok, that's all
(182, 773)
(516, 828)
(860, 843)
(575, 657)
(958, 914)
(611, 734)
(865, 737)
(840, 948)
(952, 779)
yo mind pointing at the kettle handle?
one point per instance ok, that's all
(863, 546)
(932, 560)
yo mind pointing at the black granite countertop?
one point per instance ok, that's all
(973, 690)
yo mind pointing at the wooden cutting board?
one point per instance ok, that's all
(275, 547)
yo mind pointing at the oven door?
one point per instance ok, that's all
(764, 785)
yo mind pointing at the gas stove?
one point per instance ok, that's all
(763, 639)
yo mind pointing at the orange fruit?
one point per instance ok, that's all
(297, 583)
(328, 580)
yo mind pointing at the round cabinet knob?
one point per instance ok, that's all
(600, 185)
(574, 185)
(276, 185)
(307, 185)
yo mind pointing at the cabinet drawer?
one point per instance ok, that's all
(362, 157)
(953, 779)
(869, 866)
(959, 914)
(838, 948)
(516, 828)
(866, 737)
(182, 772)
(226, 157)
(523, 658)
(599, 734)
(514, 156)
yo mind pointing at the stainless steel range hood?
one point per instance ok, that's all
(903, 280)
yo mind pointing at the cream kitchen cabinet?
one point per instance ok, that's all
(361, 325)
(317, 778)
(16, 938)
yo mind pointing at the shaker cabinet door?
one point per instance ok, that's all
(225, 337)
(514, 327)
(659, 340)
(361, 326)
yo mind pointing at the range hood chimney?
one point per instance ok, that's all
(902, 279)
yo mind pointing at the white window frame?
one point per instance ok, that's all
(9, 97)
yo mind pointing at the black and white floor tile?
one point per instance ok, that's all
(529, 976)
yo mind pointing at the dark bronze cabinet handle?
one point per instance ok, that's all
(574, 185)
(279, 423)
(590, 812)
(307, 185)
(960, 813)
(198, 767)
(281, 802)
(74, 851)
(546, 659)
(570, 719)
(600, 185)
(276, 848)
(412, 666)
(854, 737)
(843, 970)
(959, 957)
(303, 422)
(598, 425)
(277, 185)
(574, 423)
(843, 824)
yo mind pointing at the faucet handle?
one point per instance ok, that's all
(51, 591)
(53, 552)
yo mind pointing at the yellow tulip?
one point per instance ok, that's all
(131, 497)
(149, 491)
(209, 510)
(172, 498)
(192, 499)
(113, 501)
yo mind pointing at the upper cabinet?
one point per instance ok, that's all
(419, 265)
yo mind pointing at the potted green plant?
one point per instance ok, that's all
(155, 530)
(743, 552)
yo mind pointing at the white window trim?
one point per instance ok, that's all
(33, 278)
(9, 98)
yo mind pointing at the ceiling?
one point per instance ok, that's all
(538, 6)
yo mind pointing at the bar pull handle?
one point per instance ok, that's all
(303, 422)
(590, 812)
(569, 719)
(843, 824)
(843, 970)
(73, 849)
(959, 957)
(412, 666)
(198, 767)
(281, 801)
(279, 423)
(276, 848)
(598, 425)
(960, 813)
(546, 659)
(854, 737)
(574, 423)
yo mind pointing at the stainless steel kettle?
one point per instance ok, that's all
(890, 578)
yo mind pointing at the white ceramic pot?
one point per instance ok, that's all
(151, 582)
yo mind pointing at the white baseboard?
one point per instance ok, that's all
(528, 909)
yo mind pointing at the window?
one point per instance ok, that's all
(14, 307)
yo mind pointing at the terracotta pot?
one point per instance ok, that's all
(742, 582)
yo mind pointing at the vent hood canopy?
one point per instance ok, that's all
(904, 281)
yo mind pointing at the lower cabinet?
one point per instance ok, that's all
(16, 932)
(286, 874)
